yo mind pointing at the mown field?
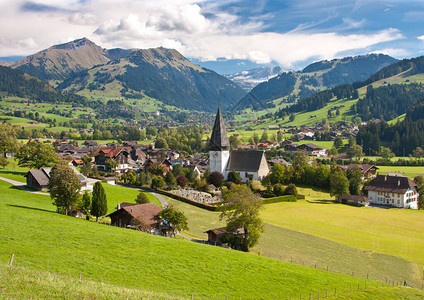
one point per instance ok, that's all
(30, 229)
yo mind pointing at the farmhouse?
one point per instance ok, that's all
(251, 165)
(120, 154)
(397, 191)
(368, 171)
(144, 217)
(313, 150)
(219, 236)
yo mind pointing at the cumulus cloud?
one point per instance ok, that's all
(421, 37)
(201, 31)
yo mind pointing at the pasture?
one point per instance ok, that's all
(133, 259)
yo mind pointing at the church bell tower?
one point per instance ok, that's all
(219, 146)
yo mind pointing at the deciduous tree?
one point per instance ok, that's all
(339, 184)
(36, 155)
(241, 209)
(64, 187)
(175, 219)
(8, 141)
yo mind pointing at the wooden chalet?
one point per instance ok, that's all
(219, 236)
(38, 179)
(120, 154)
(368, 171)
(144, 217)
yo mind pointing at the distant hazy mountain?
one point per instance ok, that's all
(163, 74)
(293, 86)
(60, 61)
(247, 80)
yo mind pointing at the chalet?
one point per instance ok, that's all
(144, 217)
(91, 144)
(251, 165)
(120, 154)
(313, 150)
(292, 148)
(397, 191)
(38, 179)
(219, 236)
(279, 160)
(368, 171)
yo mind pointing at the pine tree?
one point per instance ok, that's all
(99, 201)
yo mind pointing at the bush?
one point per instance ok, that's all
(287, 198)
(279, 190)
(141, 198)
(291, 190)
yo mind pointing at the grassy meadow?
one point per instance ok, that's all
(30, 228)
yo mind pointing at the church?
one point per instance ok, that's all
(251, 165)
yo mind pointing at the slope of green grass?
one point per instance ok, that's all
(31, 230)
(23, 283)
(13, 171)
(397, 232)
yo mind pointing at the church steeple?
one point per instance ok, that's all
(219, 140)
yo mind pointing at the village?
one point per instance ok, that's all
(201, 179)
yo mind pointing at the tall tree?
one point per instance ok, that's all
(339, 184)
(170, 180)
(141, 198)
(99, 201)
(354, 176)
(64, 187)
(86, 202)
(35, 154)
(241, 208)
(8, 141)
(338, 142)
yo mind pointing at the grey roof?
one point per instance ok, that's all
(219, 140)
(41, 177)
(248, 161)
(391, 184)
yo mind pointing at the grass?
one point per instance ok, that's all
(19, 282)
(23, 283)
(13, 171)
(31, 230)
(199, 220)
(406, 170)
(310, 250)
(397, 232)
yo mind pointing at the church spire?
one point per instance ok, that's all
(219, 140)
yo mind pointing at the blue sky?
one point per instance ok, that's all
(225, 36)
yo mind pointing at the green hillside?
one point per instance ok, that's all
(162, 74)
(132, 259)
(294, 86)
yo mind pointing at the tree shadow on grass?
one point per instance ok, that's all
(32, 208)
(12, 172)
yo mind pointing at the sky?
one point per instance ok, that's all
(226, 36)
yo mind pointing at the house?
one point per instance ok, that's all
(355, 200)
(251, 165)
(219, 236)
(120, 154)
(397, 191)
(38, 179)
(144, 217)
(313, 150)
(279, 160)
(292, 148)
(368, 171)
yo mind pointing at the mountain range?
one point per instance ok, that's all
(291, 87)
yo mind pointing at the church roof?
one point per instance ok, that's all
(219, 140)
(247, 161)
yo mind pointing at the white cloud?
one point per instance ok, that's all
(395, 52)
(421, 37)
(182, 25)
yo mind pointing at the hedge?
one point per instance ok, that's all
(287, 198)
